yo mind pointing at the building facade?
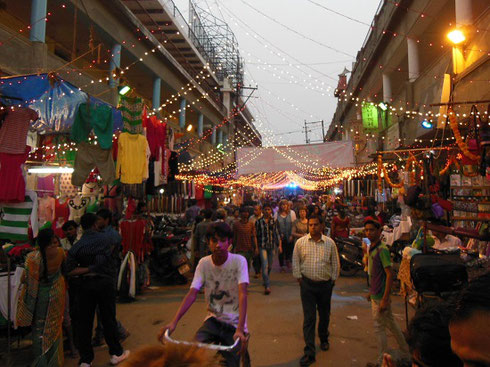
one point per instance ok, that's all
(407, 70)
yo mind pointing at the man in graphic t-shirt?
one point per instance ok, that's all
(225, 280)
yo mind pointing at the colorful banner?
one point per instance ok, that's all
(369, 116)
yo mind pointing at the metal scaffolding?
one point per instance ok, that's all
(218, 42)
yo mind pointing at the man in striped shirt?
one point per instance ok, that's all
(316, 266)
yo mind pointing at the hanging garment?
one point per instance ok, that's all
(173, 164)
(157, 171)
(66, 187)
(156, 133)
(132, 110)
(110, 195)
(46, 209)
(89, 157)
(45, 185)
(14, 224)
(132, 162)
(61, 215)
(150, 183)
(134, 238)
(13, 133)
(77, 207)
(13, 185)
(136, 191)
(15, 286)
(96, 117)
(128, 261)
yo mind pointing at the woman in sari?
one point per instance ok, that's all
(42, 300)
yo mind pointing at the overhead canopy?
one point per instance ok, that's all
(55, 100)
(252, 160)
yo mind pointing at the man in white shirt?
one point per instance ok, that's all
(443, 241)
(225, 279)
(316, 265)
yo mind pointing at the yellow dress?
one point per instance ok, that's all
(132, 158)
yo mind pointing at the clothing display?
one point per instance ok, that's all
(45, 185)
(173, 165)
(89, 157)
(133, 233)
(136, 191)
(46, 209)
(67, 189)
(13, 133)
(132, 162)
(93, 117)
(13, 187)
(77, 206)
(14, 224)
(128, 261)
(132, 110)
(156, 134)
(15, 283)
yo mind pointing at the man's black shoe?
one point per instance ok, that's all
(306, 360)
(324, 346)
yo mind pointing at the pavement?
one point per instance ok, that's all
(274, 321)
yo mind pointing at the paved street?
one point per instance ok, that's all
(275, 323)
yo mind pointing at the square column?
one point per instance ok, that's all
(413, 60)
(213, 136)
(157, 86)
(115, 63)
(386, 88)
(182, 113)
(39, 10)
(200, 125)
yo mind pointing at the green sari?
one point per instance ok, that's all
(41, 305)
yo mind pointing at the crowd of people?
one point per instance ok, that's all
(69, 282)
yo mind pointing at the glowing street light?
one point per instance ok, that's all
(456, 36)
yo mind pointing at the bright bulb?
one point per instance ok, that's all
(426, 124)
(42, 170)
(456, 36)
(124, 90)
(189, 128)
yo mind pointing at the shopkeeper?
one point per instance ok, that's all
(443, 241)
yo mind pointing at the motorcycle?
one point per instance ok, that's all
(351, 254)
(169, 262)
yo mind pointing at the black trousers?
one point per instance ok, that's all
(315, 296)
(287, 252)
(217, 332)
(256, 263)
(95, 292)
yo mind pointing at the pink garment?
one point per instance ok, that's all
(13, 133)
(13, 185)
(45, 186)
(46, 209)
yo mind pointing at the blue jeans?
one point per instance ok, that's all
(266, 258)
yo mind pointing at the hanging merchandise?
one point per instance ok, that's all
(111, 193)
(13, 133)
(369, 115)
(136, 191)
(135, 238)
(61, 215)
(156, 134)
(91, 156)
(66, 187)
(46, 210)
(132, 110)
(45, 185)
(173, 165)
(13, 185)
(132, 162)
(77, 207)
(14, 224)
(96, 117)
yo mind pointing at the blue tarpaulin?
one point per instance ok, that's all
(55, 100)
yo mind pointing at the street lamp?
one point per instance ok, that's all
(456, 36)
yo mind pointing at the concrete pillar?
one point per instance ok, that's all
(386, 88)
(39, 10)
(213, 136)
(200, 125)
(464, 12)
(183, 103)
(220, 136)
(413, 60)
(114, 64)
(157, 86)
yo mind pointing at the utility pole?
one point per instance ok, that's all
(308, 129)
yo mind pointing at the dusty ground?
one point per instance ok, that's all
(275, 322)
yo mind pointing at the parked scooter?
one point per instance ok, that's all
(350, 253)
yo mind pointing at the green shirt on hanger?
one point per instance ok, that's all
(96, 117)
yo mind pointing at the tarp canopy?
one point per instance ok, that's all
(252, 160)
(55, 100)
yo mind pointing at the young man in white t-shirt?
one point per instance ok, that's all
(225, 280)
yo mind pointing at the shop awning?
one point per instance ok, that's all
(54, 99)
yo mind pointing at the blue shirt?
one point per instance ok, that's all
(92, 251)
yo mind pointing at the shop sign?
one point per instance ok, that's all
(369, 116)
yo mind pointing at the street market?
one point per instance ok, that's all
(154, 211)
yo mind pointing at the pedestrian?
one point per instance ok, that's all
(380, 283)
(70, 229)
(192, 211)
(268, 239)
(42, 301)
(470, 323)
(224, 277)
(230, 220)
(256, 258)
(300, 225)
(244, 239)
(91, 259)
(200, 234)
(285, 218)
(104, 225)
(340, 225)
(316, 266)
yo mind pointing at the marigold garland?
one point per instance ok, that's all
(382, 169)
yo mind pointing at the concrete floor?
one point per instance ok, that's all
(274, 321)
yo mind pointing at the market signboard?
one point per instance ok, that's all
(369, 116)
